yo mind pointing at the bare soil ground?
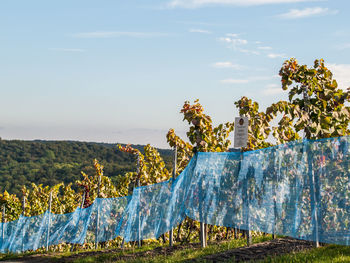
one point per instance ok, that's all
(259, 251)
(252, 253)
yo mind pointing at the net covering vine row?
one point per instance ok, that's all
(300, 189)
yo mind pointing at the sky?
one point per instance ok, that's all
(119, 71)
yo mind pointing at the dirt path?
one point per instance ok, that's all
(252, 253)
(259, 251)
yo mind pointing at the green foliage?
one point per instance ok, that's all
(316, 105)
(52, 162)
(202, 135)
(90, 185)
(12, 206)
(150, 168)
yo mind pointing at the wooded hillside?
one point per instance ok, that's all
(53, 162)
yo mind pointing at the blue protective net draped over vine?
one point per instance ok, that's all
(300, 189)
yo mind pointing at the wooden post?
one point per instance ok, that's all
(3, 219)
(138, 171)
(275, 179)
(49, 222)
(314, 203)
(313, 197)
(274, 209)
(249, 238)
(240, 141)
(235, 232)
(81, 206)
(23, 214)
(98, 211)
(202, 235)
(123, 240)
(139, 216)
(171, 233)
(248, 234)
(23, 205)
(82, 200)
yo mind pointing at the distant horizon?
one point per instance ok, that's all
(54, 140)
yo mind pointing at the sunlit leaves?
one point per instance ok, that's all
(322, 114)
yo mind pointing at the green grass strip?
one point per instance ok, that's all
(326, 254)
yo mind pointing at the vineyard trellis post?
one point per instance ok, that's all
(82, 200)
(314, 203)
(23, 214)
(49, 222)
(240, 142)
(274, 182)
(98, 210)
(203, 235)
(3, 220)
(171, 234)
(246, 205)
(138, 172)
(81, 207)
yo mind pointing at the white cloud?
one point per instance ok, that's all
(110, 34)
(198, 23)
(265, 48)
(276, 55)
(232, 35)
(248, 51)
(237, 43)
(341, 72)
(273, 89)
(307, 12)
(68, 49)
(227, 64)
(194, 30)
(202, 3)
(234, 81)
(233, 41)
(247, 80)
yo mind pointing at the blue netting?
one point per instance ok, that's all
(300, 189)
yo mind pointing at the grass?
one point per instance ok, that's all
(56, 256)
(326, 254)
(180, 255)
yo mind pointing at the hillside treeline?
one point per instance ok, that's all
(53, 162)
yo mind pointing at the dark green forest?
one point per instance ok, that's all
(53, 162)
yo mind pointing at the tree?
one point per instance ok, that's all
(316, 105)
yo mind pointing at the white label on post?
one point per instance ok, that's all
(241, 132)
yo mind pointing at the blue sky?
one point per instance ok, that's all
(119, 71)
